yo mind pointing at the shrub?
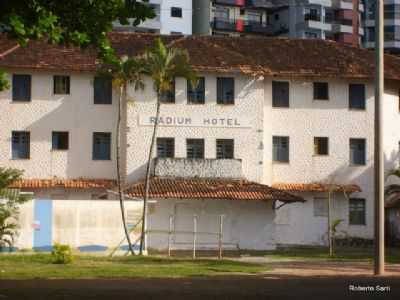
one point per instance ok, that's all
(61, 254)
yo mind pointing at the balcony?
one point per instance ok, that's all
(312, 17)
(242, 26)
(198, 168)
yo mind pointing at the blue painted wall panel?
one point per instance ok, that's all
(42, 234)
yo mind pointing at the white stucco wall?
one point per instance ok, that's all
(247, 108)
(172, 24)
(75, 113)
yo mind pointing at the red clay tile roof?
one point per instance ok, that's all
(316, 187)
(63, 183)
(268, 56)
(180, 188)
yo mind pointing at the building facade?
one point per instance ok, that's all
(249, 145)
(172, 17)
(334, 20)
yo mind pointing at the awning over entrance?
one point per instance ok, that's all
(317, 187)
(196, 188)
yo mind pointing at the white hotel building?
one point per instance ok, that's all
(294, 115)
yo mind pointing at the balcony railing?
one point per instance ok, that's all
(312, 17)
(242, 26)
(198, 168)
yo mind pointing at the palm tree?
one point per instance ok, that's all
(124, 72)
(162, 64)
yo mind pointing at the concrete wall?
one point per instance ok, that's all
(247, 110)
(170, 24)
(47, 112)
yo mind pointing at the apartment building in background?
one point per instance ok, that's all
(317, 19)
(391, 23)
(172, 17)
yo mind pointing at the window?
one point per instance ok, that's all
(169, 96)
(357, 96)
(276, 17)
(321, 146)
(280, 94)
(357, 211)
(101, 146)
(176, 12)
(60, 140)
(61, 85)
(196, 95)
(225, 149)
(357, 152)
(165, 147)
(280, 151)
(102, 90)
(20, 144)
(21, 88)
(195, 148)
(225, 90)
(320, 207)
(321, 91)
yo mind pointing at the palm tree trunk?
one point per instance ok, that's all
(119, 180)
(147, 180)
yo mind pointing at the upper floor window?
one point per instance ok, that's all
(321, 146)
(280, 151)
(357, 152)
(321, 91)
(225, 149)
(225, 90)
(176, 12)
(102, 90)
(357, 211)
(61, 85)
(169, 96)
(195, 148)
(357, 96)
(21, 88)
(196, 95)
(165, 147)
(101, 145)
(60, 140)
(20, 144)
(280, 94)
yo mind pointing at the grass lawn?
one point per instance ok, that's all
(30, 266)
(322, 253)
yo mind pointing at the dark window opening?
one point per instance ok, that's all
(165, 147)
(60, 140)
(195, 148)
(61, 85)
(102, 90)
(101, 146)
(357, 152)
(357, 211)
(176, 12)
(225, 90)
(21, 88)
(357, 96)
(20, 145)
(196, 95)
(225, 149)
(321, 91)
(321, 146)
(280, 151)
(280, 94)
(169, 96)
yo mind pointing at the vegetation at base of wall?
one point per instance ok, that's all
(61, 254)
(30, 266)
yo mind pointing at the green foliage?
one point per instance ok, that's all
(4, 84)
(10, 199)
(61, 254)
(163, 64)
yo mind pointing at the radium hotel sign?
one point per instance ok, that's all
(195, 121)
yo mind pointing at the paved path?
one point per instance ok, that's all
(289, 280)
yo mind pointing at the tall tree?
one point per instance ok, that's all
(77, 22)
(163, 65)
(124, 72)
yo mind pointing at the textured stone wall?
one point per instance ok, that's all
(202, 168)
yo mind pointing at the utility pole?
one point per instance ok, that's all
(379, 259)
